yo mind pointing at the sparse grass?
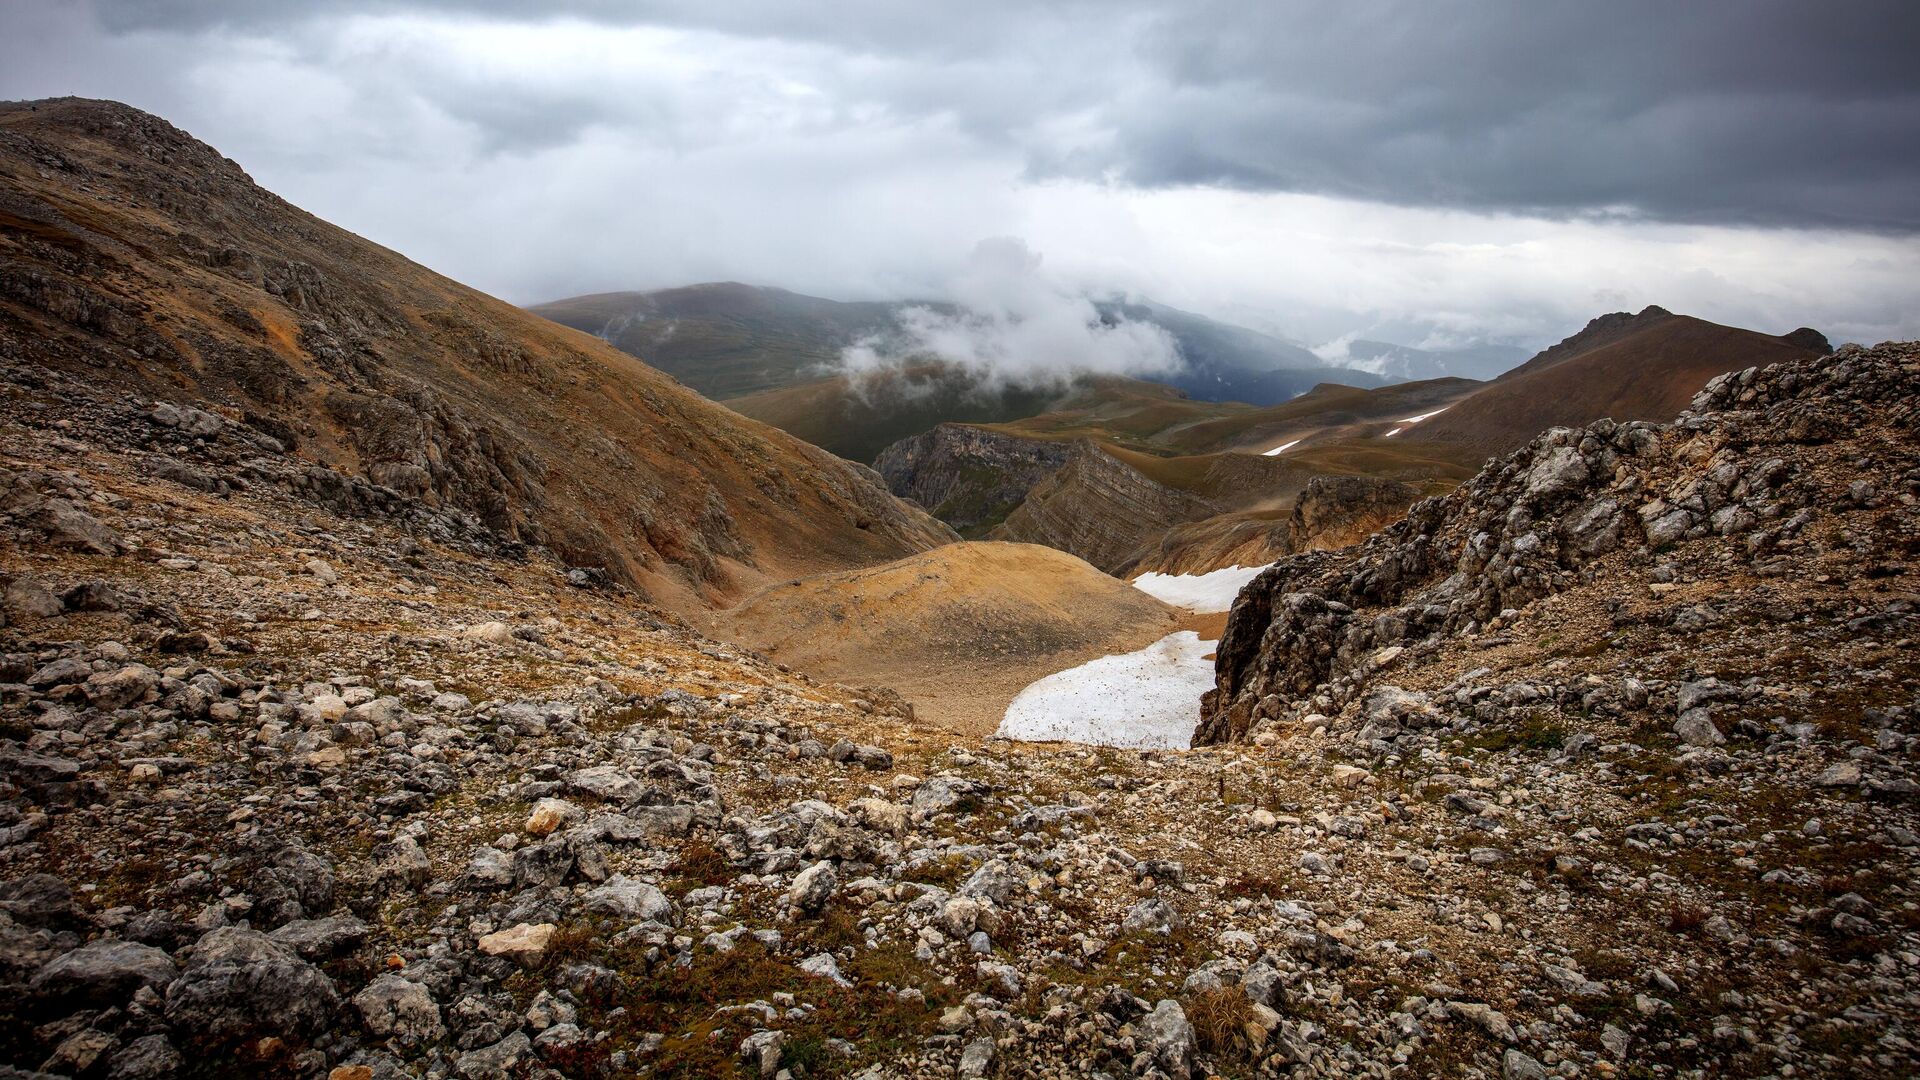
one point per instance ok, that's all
(1536, 733)
(699, 864)
(1219, 1019)
(1685, 918)
(948, 871)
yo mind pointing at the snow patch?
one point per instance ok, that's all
(1392, 433)
(1199, 593)
(1426, 415)
(1148, 699)
(1281, 449)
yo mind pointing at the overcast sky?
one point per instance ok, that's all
(1423, 172)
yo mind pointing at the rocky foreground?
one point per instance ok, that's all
(304, 778)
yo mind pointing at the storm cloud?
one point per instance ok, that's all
(1494, 171)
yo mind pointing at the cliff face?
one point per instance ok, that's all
(1787, 485)
(1336, 511)
(136, 261)
(1100, 509)
(969, 477)
(1332, 512)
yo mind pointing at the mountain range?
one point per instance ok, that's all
(776, 356)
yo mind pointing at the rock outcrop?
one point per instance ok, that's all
(1100, 509)
(1764, 455)
(1332, 512)
(969, 477)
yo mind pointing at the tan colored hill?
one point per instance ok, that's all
(139, 261)
(958, 630)
(1622, 367)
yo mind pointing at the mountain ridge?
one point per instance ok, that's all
(142, 260)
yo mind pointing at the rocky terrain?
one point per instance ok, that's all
(297, 786)
(1601, 765)
(969, 477)
(1104, 510)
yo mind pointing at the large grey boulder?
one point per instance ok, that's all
(813, 887)
(241, 984)
(295, 884)
(629, 899)
(105, 972)
(1151, 916)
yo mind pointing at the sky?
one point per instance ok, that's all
(1427, 173)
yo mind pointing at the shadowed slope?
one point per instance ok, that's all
(1624, 367)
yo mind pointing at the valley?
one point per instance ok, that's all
(396, 682)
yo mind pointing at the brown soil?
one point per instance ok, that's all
(959, 631)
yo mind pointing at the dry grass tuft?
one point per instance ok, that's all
(1219, 1018)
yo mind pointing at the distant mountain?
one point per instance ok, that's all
(725, 339)
(733, 342)
(1225, 362)
(1406, 362)
(857, 418)
(1643, 366)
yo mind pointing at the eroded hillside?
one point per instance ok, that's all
(136, 260)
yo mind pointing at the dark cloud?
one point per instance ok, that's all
(1770, 112)
(1437, 173)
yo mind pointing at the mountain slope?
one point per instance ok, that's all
(138, 261)
(958, 630)
(1224, 362)
(1626, 367)
(1104, 476)
(858, 418)
(772, 355)
(1407, 362)
(724, 339)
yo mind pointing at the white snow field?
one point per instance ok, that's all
(1281, 449)
(1148, 699)
(1415, 420)
(1198, 593)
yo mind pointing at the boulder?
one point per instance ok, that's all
(104, 972)
(240, 984)
(525, 943)
(1166, 1039)
(813, 887)
(403, 1011)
